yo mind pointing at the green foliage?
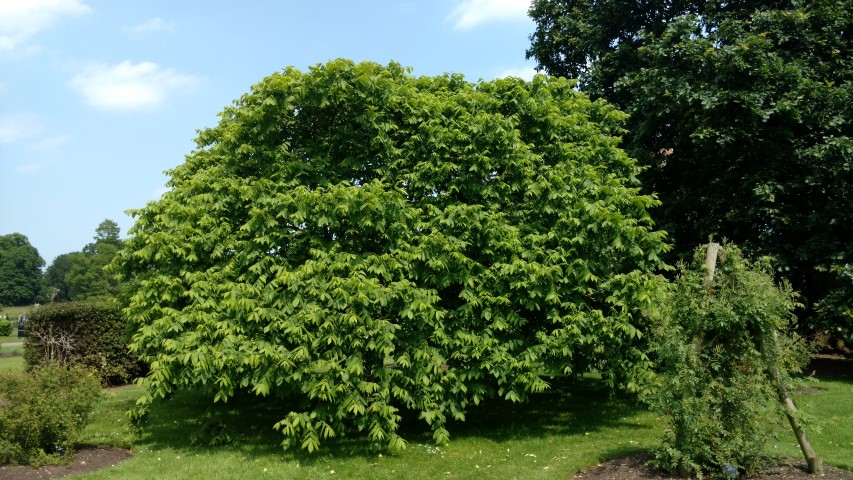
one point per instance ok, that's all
(108, 232)
(365, 242)
(54, 278)
(92, 334)
(713, 387)
(742, 112)
(20, 270)
(835, 311)
(88, 276)
(5, 328)
(43, 412)
(83, 275)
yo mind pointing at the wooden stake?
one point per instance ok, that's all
(771, 351)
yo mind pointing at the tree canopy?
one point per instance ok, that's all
(83, 275)
(742, 112)
(20, 270)
(361, 241)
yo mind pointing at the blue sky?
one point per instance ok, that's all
(99, 98)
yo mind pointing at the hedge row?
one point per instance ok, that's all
(88, 333)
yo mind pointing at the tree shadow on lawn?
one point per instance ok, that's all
(572, 407)
(191, 423)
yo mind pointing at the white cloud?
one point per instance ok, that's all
(50, 144)
(17, 126)
(150, 26)
(524, 73)
(21, 19)
(129, 86)
(471, 13)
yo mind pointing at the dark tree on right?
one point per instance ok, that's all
(743, 113)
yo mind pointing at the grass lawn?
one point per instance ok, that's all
(8, 363)
(13, 349)
(13, 312)
(554, 436)
(557, 434)
(828, 421)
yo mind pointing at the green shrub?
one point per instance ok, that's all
(713, 388)
(92, 334)
(43, 412)
(5, 328)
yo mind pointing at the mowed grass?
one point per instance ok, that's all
(556, 434)
(11, 363)
(11, 349)
(828, 414)
(13, 312)
(553, 436)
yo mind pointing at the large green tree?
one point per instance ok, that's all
(54, 287)
(742, 112)
(20, 270)
(83, 275)
(363, 241)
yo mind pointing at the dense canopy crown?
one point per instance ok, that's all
(741, 110)
(359, 241)
(20, 270)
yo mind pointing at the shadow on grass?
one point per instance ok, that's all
(570, 407)
(189, 422)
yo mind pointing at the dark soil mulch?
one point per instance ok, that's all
(86, 459)
(633, 467)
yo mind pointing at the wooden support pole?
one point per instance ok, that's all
(711, 263)
(770, 349)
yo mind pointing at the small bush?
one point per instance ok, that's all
(43, 412)
(5, 328)
(92, 334)
(713, 388)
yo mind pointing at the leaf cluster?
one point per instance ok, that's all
(363, 242)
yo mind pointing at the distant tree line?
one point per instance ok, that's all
(71, 276)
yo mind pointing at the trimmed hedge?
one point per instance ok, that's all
(5, 328)
(89, 333)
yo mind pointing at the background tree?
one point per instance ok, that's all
(742, 112)
(107, 233)
(88, 277)
(83, 275)
(357, 241)
(20, 270)
(54, 278)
